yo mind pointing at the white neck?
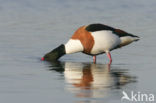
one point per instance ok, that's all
(73, 46)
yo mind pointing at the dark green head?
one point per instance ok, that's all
(55, 54)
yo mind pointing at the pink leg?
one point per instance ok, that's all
(94, 59)
(109, 56)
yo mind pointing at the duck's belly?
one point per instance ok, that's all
(104, 41)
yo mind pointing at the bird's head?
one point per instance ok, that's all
(55, 54)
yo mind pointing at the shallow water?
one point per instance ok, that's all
(29, 29)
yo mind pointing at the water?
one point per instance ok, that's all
(31, 28)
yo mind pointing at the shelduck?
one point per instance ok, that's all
(93, 39)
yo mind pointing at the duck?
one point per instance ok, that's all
(93, 40)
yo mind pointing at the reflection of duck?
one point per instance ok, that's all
(93, 80)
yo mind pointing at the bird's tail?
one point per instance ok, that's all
(136, 38)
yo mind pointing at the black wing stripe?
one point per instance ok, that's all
(100, 27)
